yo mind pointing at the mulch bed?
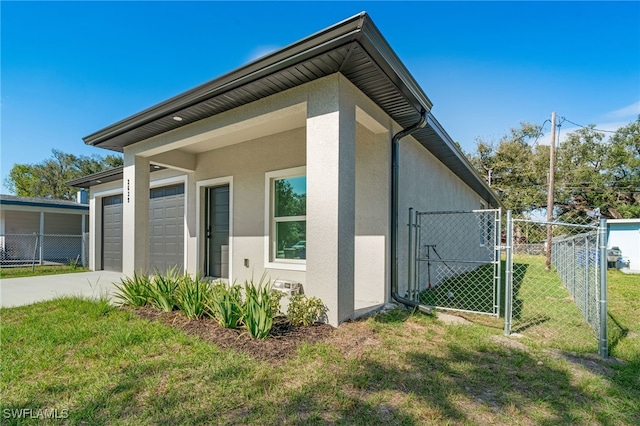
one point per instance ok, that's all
(282, 342)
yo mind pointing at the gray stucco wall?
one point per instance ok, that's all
(428, 185)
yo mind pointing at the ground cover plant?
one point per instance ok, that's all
(98, 364)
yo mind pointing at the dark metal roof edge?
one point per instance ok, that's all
(482, 184)
(307, 46)
(106, 176)
(96, 176)
(377, 46)
(77, 206)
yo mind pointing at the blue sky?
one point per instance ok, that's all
(71, 68)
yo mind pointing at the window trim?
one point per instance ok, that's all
(269, 220)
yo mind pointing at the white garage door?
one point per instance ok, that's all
(166, 228)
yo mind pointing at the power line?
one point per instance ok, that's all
(540, 133)
(587, 127)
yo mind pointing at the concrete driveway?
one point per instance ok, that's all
(28, 290)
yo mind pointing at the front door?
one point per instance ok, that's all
(217, 232)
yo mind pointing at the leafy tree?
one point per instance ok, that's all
(514, 167)
(48, 178)
(591, 173)
(582, 182)
(622, 165)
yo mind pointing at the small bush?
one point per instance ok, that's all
(224, 304)
(192, 296)
(276, 297)
(133, 291)
(258, 308)
(304, 311)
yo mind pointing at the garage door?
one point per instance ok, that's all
(112, 233)
(166, 228)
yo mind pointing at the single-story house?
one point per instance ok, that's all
(302, 164)
(625, 234)
(49, 230)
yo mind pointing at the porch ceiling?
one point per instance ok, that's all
(248, 130)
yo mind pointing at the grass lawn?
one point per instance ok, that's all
(96, 364)
(28, 271)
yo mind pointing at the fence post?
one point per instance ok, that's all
(604, 344)
(35, 249)
(83, 247)
(508, 299)
(497, 251)
(410, 257)
(585, 265)
(573, 268)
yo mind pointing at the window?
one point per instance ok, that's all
(288, 216)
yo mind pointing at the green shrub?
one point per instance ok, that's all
(163, 289)
(192, 296)
(258, 309)
(133, 291)
(276, 296)
(304, 311)
(224, 304)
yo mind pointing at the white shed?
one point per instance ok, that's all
(625, 234)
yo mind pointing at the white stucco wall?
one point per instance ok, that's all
(373, 206)
(247, 163)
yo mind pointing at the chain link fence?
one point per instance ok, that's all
(43, 249)
(548, 280)
(557, 289)
(458, 260)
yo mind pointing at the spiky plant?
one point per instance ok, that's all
(192, 296)
(133, 291)
(258, 312)
(224, 304)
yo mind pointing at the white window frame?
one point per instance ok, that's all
(270, 260)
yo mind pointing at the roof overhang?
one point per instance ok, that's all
(354, 47)
(111, 175)
(12, 200)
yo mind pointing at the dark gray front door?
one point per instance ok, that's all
(112, 233)
(166, 228)
(217, 232)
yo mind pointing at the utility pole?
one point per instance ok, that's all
(550, 191)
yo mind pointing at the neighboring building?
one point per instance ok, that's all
(625, 234)
(285, 166)
(58, 226)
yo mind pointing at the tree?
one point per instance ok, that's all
(514, 167)
(48, 179)
(582, 182)
(623, 168)
(592, 173)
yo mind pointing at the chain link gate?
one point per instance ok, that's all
(455, 260)
(557, 298)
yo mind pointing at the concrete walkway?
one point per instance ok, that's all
(28, 290)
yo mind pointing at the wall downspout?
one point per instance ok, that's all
(395, 151)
